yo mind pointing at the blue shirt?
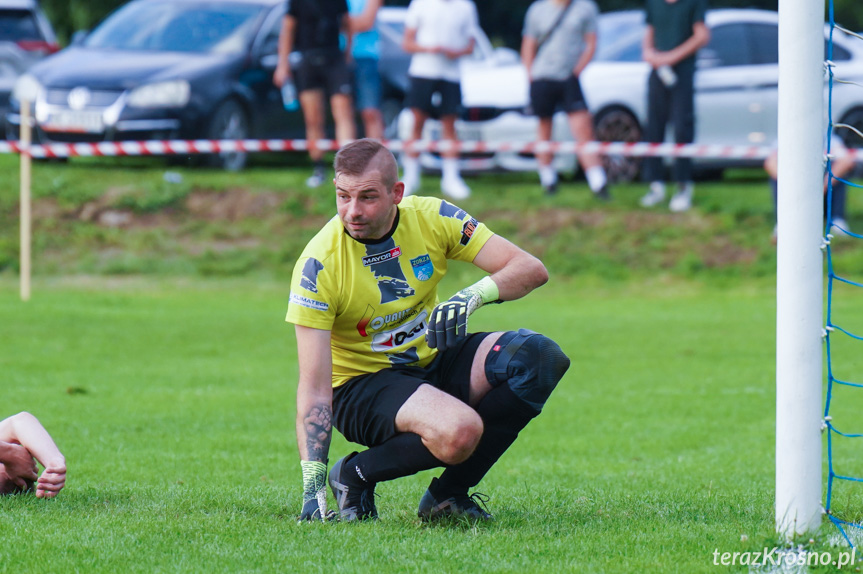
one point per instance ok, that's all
(365, 43)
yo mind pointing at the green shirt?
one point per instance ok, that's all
(672, 23)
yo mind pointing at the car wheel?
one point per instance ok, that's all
(619, 125)
(229, 122)
(854, 118)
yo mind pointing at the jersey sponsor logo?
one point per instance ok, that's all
(423, 267)
(309, 279)
(409, 332)
(310, 303)
(393, 253)
(370, 324)
(467, 230)
(392, 282)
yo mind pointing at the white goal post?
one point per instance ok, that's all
(799, 275)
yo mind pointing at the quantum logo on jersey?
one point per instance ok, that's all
(423, 267)
(407, 333)
(310, 303)
(381, 257)
(369, 323)
(467, 230)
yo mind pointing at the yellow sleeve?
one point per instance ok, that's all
(312, 302)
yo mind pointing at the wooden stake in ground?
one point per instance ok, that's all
(25, 199)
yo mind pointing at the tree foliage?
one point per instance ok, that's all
(69, 16)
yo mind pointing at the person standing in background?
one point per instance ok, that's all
(367, 77)
(675, 32)
(310, 55)
(438, 33)
(558, 42)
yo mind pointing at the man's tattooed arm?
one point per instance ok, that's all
(318, 426)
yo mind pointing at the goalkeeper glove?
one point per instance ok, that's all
(448, 321)
(314, 491)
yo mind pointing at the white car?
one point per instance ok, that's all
(736, 86)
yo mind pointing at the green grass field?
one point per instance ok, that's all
(173, 401)
(156, 354)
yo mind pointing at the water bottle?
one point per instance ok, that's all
(289, 96)
(666, 76)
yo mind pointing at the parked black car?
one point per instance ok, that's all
(168, 69)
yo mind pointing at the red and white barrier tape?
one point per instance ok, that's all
(187, 147)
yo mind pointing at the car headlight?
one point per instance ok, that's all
(27, 87)
(173, 94)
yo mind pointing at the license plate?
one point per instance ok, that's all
(84, 122)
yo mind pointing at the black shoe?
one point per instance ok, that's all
(603, 193)
(550, 189)
(435, 506)
(355, 498)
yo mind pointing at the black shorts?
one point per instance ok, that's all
(422, 90)
(546, 96)
(323, 70)
(365, 408)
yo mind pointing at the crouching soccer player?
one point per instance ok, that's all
(391, 368)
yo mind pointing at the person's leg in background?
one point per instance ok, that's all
(451, 182)
(837, 207)
(544, 95)
(547, 172)
(683, 118)
(343, 116)
(581, 126)
(367, 81)
(658, 103)
(418, 100)
(312, 104)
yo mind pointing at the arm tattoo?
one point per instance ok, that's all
(319, 430)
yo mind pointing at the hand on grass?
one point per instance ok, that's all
(52, 481)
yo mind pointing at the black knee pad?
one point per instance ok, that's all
(530, 363)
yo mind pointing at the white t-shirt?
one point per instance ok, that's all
(446, 23)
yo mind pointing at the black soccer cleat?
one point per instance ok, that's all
(436, 506)
(355, 498)
(602, 194)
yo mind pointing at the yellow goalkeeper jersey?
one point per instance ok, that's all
(376, 298)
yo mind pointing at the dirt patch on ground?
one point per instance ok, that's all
(232, 204)
(213, 206)
(720, 253)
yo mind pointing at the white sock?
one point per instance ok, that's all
(686, 187)
(410, 168)
(547, 175)
(658, 187)
(449, 168)
(596, 178)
